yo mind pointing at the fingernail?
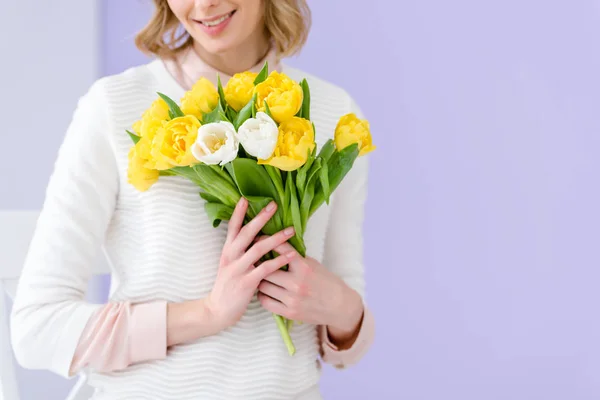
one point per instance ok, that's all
(243, 201)
(271, 206)
(289, 231)
(291, 255)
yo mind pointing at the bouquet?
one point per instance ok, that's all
(252, 138)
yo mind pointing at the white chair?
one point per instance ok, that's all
(16, 230)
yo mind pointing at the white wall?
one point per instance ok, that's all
(49, 57)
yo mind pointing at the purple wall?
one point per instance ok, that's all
(483, 223)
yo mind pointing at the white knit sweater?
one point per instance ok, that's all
(162, 247)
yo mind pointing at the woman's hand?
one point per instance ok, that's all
(237, 277)
(308, 292)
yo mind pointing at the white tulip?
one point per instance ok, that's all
(216, 143)
(259, 135)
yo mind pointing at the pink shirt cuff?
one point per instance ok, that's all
(121, 334)
(342, 358)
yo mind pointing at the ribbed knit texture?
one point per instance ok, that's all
(162, 247)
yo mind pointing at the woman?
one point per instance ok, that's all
(190, 313)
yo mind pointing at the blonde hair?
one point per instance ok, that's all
(287, 23)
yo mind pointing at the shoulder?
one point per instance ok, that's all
(316, 82)
(328, 102)
(121, 98)
(324, 92)
(128, 84)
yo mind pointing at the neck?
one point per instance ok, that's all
(239, 59)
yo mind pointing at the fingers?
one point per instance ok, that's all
(297, 262)
(284, 248)
(274, 291)
(262, 247)
(272, 305)
(280, 278)
(237, 219)
(246, 235)
(268, 267)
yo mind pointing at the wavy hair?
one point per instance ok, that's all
(287, 23)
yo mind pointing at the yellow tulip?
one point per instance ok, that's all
(152, 119)
(144, 151)
(240, 89)
(141, 177)
(349, 130)
(202, 98)
(173, 143)
(282, 94)
(295, 141)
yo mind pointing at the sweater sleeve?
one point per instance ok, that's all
(344, 255)
(121, 334)
(49, 312)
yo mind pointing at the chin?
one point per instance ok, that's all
(219, 46)
(220, 34)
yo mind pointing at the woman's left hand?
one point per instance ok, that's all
(310, 293)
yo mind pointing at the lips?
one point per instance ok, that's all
(216, 21)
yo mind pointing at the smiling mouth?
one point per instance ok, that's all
(212, 22)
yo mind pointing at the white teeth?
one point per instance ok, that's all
(217, 21)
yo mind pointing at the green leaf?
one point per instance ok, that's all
(327, 150)
(338, 166)
(223, 173)
(297, 241)
(255, 206)
(262, 75)
(251, 178)
(134, 137)
(231, 113)
(245, 113)
(305, 109)
(268, 110)
(216, 115)
(309, 192)
(174, 110)
(325, 154)
(218, 212)
(303, 172)
(166, 172)
(275, 175)
(221, 93)
(294, 206)
(324, 180)
(229, 168)
(283, 218)
(316, 166)
(217, 184)
(306, 202)
(211, 182)
(209, 197)
(287, 199)
(186, 172)
(253, 181)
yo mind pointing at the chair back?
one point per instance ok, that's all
(16, 230)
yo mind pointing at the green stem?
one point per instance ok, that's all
(223, 174)
(287, 339)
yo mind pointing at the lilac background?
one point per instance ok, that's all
(482, 232)
(482, 238)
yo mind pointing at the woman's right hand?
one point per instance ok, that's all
(238, 277)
